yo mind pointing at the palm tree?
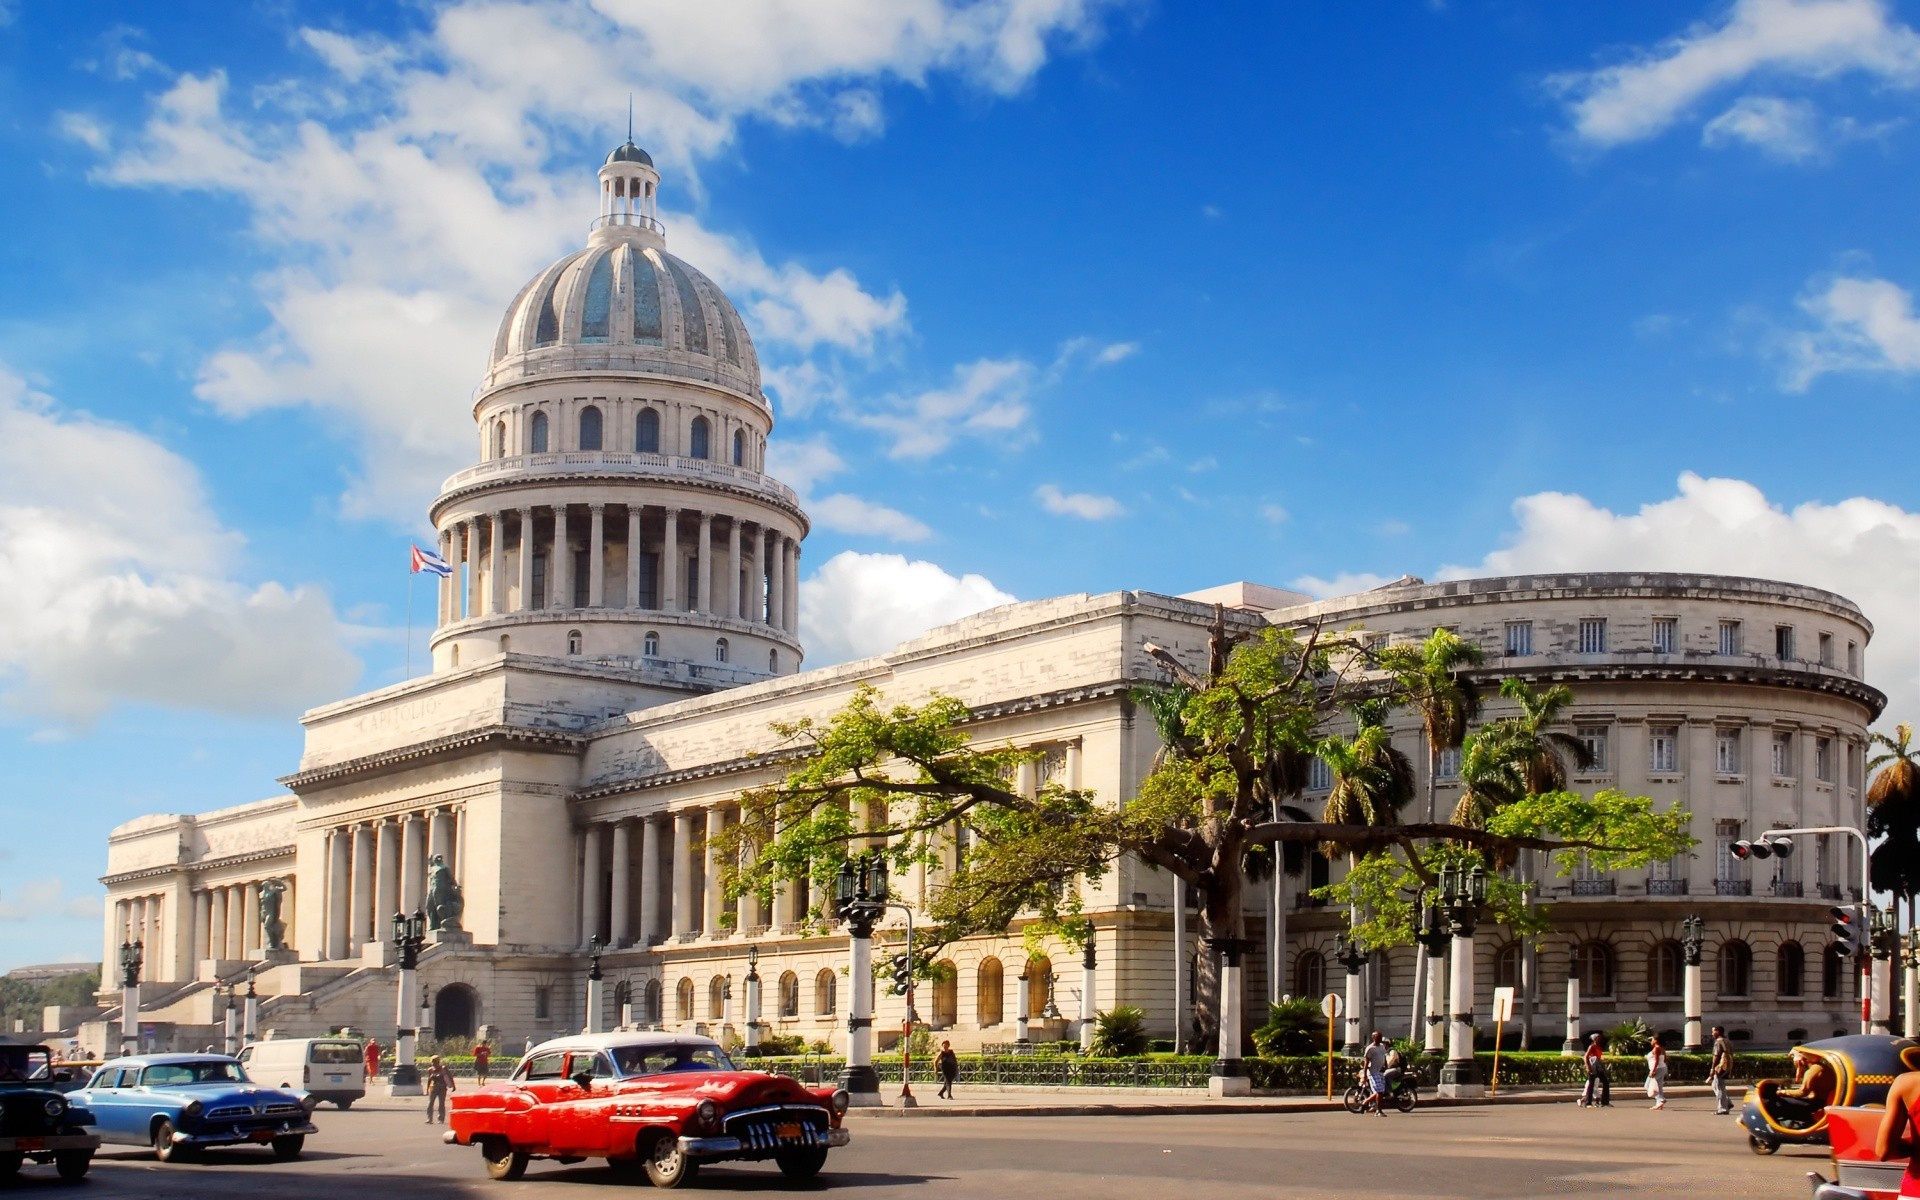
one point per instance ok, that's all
(1518, 756)
(1430, 674)
(1893, 815)
(1372, 780)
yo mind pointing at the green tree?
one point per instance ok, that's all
(1432, 680)
(1893, 815)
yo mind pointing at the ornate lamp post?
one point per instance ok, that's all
(250, 1029)
(1461, 895)
(1347, 952)
(1884, 945)
(753, 997)
(132, 953)
(1023, 1003)
(1433, 938)
(1692, 939)
(1229, 1076)
(596, 988)
(1088, 977)
(230, 1019)
(860, 899)
(726, 1003)
(409, 936)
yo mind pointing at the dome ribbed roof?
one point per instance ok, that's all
(625, 306)
(630, 153)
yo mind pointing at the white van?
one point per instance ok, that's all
(330, 1068)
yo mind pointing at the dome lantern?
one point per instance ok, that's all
(628, 187)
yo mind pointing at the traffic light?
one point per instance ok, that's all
(902, 974)
(1849, 927)
(1763, 848)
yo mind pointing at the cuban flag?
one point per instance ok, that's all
(427, 560)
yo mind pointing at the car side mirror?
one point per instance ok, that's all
(585, 1080)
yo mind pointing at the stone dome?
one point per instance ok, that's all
(624, 305)
(628, 152)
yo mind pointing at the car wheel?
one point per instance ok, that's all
(801, 1165)
(1355, 1099)
(503, 1161)
(73, 1164)
(163, 1147)
(1760, 1145)
(1408, 1099)
(667, 1165)
(343, 1105)
(10, 1165)
(287, 1148)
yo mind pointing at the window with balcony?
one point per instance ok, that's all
(1731, 873)
(700, 440)
(1783, 642)
(1519, 639)
(646, 432)
(1729, 638)
(590, 426)
(1666, 635)
(1783, 755)
(1593, 635)
(1663, 749)
(1823, 759)
(1668, 877)
(1594, 738)
(1826, 649)
(1726, 744)
(539, 439)
(1589, 880)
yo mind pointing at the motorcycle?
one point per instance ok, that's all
(1403, 1092)
(1861, 1068)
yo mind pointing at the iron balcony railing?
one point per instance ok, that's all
(1733, 887)
(1593, 887)
(1666, 887)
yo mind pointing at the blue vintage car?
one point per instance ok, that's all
(179, 1104)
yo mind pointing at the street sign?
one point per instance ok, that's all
(1330, 1006)
(1502, 1005)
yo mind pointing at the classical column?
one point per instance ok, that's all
(202, 925)
(337, 893)
(684, 900)
(1461, 1075)
(731, 592)
(597, 556)
(236, 923)
(457, 840)
(360, 920)
(746, 907)
(496, 565)
(793, 587)
(703, 566)
(649, 880)
(590, 894)
(386, 895)
(670, 563)
(776, 582)
(217, 926)
(618, 932)
(439, 836)
(560, 563)
(471, 542)
(446, 582)
(413, 863)
(753, 606)
(633, 556)
(715, 891)
(525, 560)
(250, 919)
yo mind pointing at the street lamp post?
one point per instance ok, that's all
(1692, 938)
(409, 936)
(1461, 895)
(1910, 1008)
(230, 1020)
(1775, 841)
(250, 1029)
(596, 988)
(1571, 1047)
(1347, 952)
(860, 900)
(1884, 946)
(132, 952)
(1433, 938)
(753, 997)
(1088, 978)
(1229, 1077)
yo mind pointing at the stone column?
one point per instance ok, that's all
(471, 541)
(1435, 1042)
(337, 893)
(776, 582)
(590, 895)
(684, 900)
(703, 569)
(746, 914)
(597, 556)
(360, 920)
(440, 836)
(1461, 1075)
(731, 592)
(217, 927)
(649, 880)
(710, 861)
(250, 919)
(446, 582)
(236, 923)
(560, 563)
(525, 561)
(793, 587)
(670, 563)
(387, 890)
(202, 926)
(496, 564)
(754, 603)
(1694, 1036)
(634, 551)
(413, 864)
(619, 932)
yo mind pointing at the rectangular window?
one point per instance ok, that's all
(1783, 641)
(1593, 635)
(1319, 776)
(582, 577)
(1666, 635)
(539, 599)
(649, 580)
(1373, 641)
(1853, 658)
(1823, 861)
(1823, 759)
(1519, 639)
(1663, 748)
(1826, 649)
(542, 1003)
(1783, 755)
(1727, 751)
(1725, 834)
(1449, 763)
(1729, 638)
(691, 596)
(1594, 737)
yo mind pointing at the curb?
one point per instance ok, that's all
(1276, 1106)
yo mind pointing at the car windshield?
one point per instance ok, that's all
(662, 1057)
(338, 1053)
(186, 1074)
(20, 1064)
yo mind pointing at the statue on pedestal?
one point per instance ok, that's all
(272, 895)
(444, 900)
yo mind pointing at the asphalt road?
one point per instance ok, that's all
(1482, 1153)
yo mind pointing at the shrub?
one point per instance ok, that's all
(1629, 1037)
(1293, 1027)
(1120, 1032)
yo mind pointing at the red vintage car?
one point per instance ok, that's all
(661, 1103)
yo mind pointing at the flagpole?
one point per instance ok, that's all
(410, 574)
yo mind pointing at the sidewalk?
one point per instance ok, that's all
(1159, 1102)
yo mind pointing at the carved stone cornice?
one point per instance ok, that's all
(549, 740)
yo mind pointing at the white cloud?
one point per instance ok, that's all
(1803, 39)
(1783, 129)
(1088, 506)
(863, 604)
(1274, 514)
(804, 464)
(987, 398)
(120, 583)
(1865, 325)
(1864, 549)
(1345, 583)
(46, 899)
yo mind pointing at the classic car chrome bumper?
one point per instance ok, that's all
(727, 1147)
(1822, 1190)
(242, 1137)
(52, 1143)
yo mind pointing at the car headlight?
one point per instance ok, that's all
(707, 1116)
(192, 1111)
(840, 1102)
(55, 1106)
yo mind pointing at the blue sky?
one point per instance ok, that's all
(1053, 295)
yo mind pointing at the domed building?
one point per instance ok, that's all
(620, 634)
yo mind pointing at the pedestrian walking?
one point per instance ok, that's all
(439, 1086)
(373, 1060)
(1657, 1073)
(1718, 1068)
(1375, 1058)
(482, 1057)
(947, 1066)
(1598, 1092)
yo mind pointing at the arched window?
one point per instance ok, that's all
(1791, 969)
(1039, 986)
(506, 643)
(1736, 968)
(789, 995)
(1593, 962)
(654, 1015)
(1382, 976)
(990, 987)
(622, 997)
(683, 1000)
(1833, 969)
(773, 662)
(590, 428)
(716, 998)
(646, 432)
(946, 994)
(539, 433)
(1310, 975)
(1666, 969)
(1506, 965)
(720, 650)
(699, 444)
(574, 641)
(825, 985)
(739, 447)
(499, 439)
(650, 645)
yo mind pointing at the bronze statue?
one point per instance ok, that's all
(444, 901)
(272, 894)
